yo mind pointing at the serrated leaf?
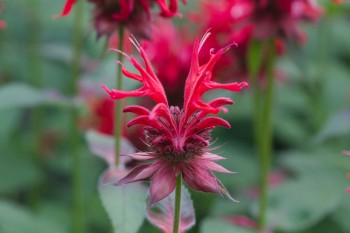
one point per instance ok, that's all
(125, 204)
(217, 225)
(164, 217)
(16, 219)
(17, 95)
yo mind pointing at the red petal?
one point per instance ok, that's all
(141, 156)
(152, 86)
(211, 166)
(199, 81)
(203, 180)
(200, 179)
(210, 156)
(168, 11)
(143, 120)
(138, 110)
(126, 8)
(140, 172)
(66, 9)
(218, 102)
(213, 122)
(163, 183)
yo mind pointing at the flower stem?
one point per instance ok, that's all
(262, 108)
(255, 60)
(78, 224)
(35, 74)
(118, 104)
(266, 137)
(177, 204)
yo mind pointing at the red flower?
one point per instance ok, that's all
(264, 19)
(171, 48)
(100, 114)
(281, 18)
(2, 22)
(178, 139)
(135, 15)
(243, 21)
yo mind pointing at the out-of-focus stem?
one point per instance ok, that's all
(254, 67)
(118, 104)
(262, 109)
(35, 76)
(177, 203)
(78, 224)
(266, 137)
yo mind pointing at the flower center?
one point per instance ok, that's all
(180, 141)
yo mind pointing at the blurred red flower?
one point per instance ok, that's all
(173, 49)
(2, 22)
(135, 15)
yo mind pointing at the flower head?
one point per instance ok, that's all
(135, 15)
(178, 138)
(260, 20)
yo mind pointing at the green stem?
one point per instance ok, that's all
(177, 204)
(266, 138)
(118, 104)
(254, 66)
(34, 71)
(78, 224)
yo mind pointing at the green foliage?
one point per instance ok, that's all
(11, 179)
(125, 205)
(20, 95)
(16, 219)
(215, 225)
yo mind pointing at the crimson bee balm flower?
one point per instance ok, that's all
(178, 138)
(135, 15)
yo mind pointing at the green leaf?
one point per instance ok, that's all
(217, 225)
(125, 205)
(341, 215)
(337, 126)
(297, 205)
(315, 163)
(11, 179)
(17, 95)
(316, 192)
(16, 219)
